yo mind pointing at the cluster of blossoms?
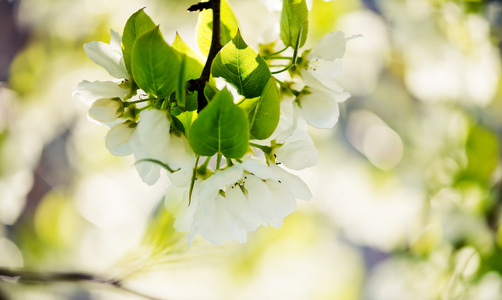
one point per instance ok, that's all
(225, 153)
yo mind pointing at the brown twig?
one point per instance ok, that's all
(200, 83)
(21, 276)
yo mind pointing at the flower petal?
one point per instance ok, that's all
(88, 92)
(259, 198)
(240, 207)
(106, 110)
(330, 47)
(104, 55)
(176, 202)
(298, 152)
(325, 70)
(261, 170)
(219, 180)
(214, 222)
(150, 140)
(180, 156)
(116, 42)
(293, 184)
(282, 204)
(319, 109)
(118, 137)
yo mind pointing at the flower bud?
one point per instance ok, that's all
(117, 139)
(106, 110)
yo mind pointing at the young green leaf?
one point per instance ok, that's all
(186, 118)
(242, 67)
(294, 14)
(137, 24)
(221, 128)
(192, 69)
(210, 90)
(204, 32)
(263, 112)
(155, 65)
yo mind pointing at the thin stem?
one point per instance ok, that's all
(205, 164)
(295, 53)
(157, 162)
(277, 57)
(283, 70)
(126, 103)
(23, 276)
(275, 53)
(218, 161)
(143, 108)
(192, 183)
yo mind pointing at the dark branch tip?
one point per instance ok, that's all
(200, 6)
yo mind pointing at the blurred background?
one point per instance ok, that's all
(407, 194)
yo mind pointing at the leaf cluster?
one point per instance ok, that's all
(164, 72)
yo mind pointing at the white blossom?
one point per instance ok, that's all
(152, 140)
(109, 56)
(320, 107)
(320, 104)
(236, 200)
(325, 59)
(180, 157)
(106, 110)
(89, 92)
(298, 151)
(117, 138)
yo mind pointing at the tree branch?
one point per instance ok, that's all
(199, 84)
(25, 277)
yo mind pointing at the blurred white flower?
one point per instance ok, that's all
(106, 110)
(236, 200)
(276, 5)
(117, 139)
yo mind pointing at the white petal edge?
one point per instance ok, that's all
(104, 55)
(88, 91)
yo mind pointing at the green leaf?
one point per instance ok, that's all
(295, 14)
(137, 24)
(263, 112)
(186, 118)
(229, 27)
(210, 90)
(242, 67)
(180, 89)
(192, 69)
(155, 65)
(221, 127)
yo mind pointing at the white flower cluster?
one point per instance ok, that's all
(224, 203)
